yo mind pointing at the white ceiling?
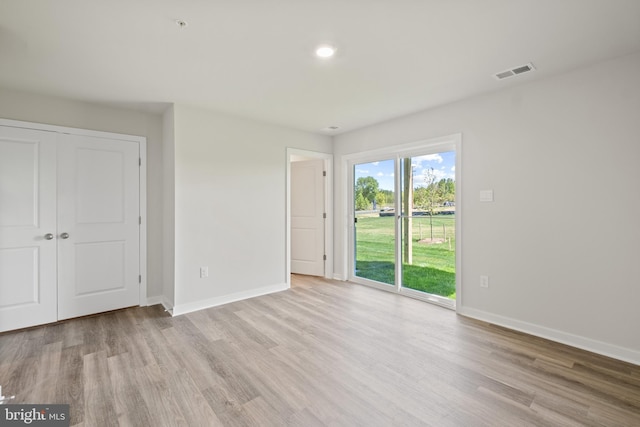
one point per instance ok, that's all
(254, 58)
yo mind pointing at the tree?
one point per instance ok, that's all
(361, 202)
(388, 197)
(447, 189)
(420, 197)
(433, 195)
(367, 186)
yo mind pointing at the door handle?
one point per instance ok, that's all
(64, 236)
(48, 236)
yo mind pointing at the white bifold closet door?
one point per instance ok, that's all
(69, 226)
(28, 251)
(98, 209)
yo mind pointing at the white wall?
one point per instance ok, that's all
(230, 205)
(64, 112)
(561, 242)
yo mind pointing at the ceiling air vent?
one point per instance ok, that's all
(522, 69)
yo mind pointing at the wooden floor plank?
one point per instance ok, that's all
(323, 353)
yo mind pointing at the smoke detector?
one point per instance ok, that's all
(516, 71)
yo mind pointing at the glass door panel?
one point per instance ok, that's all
(427, 224)
(374, 222)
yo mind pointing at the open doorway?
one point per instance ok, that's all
(309, 214)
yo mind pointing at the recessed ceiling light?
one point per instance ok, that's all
(182, 24)
(330, 129)
(325, 51)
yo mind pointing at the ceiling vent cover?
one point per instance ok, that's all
(522, 69)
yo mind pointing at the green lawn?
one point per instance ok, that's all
(433, 266)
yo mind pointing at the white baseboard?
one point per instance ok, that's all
(226, 299)
(168, 306)
(339, 277)
(594, 346)
(160, 299)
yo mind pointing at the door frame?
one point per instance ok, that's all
(395, 153)
(142, 183)
(328, 204)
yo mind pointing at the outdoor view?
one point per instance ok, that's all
(427, 222)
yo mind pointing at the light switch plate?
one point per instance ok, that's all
(486, 195)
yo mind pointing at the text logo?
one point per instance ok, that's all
(34, 415)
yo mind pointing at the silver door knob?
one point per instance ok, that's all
(48, 236)
(64, 236)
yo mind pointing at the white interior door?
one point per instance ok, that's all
(98, 225)
(27, 227)
(307, 217)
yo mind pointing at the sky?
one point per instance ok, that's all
(443, 165)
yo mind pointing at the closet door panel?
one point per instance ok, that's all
(27, 227)
(98, 211)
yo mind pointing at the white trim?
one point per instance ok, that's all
(142, 147)
(433, 299)
(397, 223)
(396, 152)
(458, 220)
(434, 145)
(373, 284)
(328, 203)
(160, 299)
(142, 183)
(599, 347)
(226, 299)
(347, 232)
(72, 131)
(168, 305)
(408, 292)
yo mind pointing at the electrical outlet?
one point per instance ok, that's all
(204, 272)
(484, 281)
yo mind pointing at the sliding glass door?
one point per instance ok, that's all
(428, 225)
(404, 214)
(374, 222)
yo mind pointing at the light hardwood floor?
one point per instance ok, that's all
(322, 353)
